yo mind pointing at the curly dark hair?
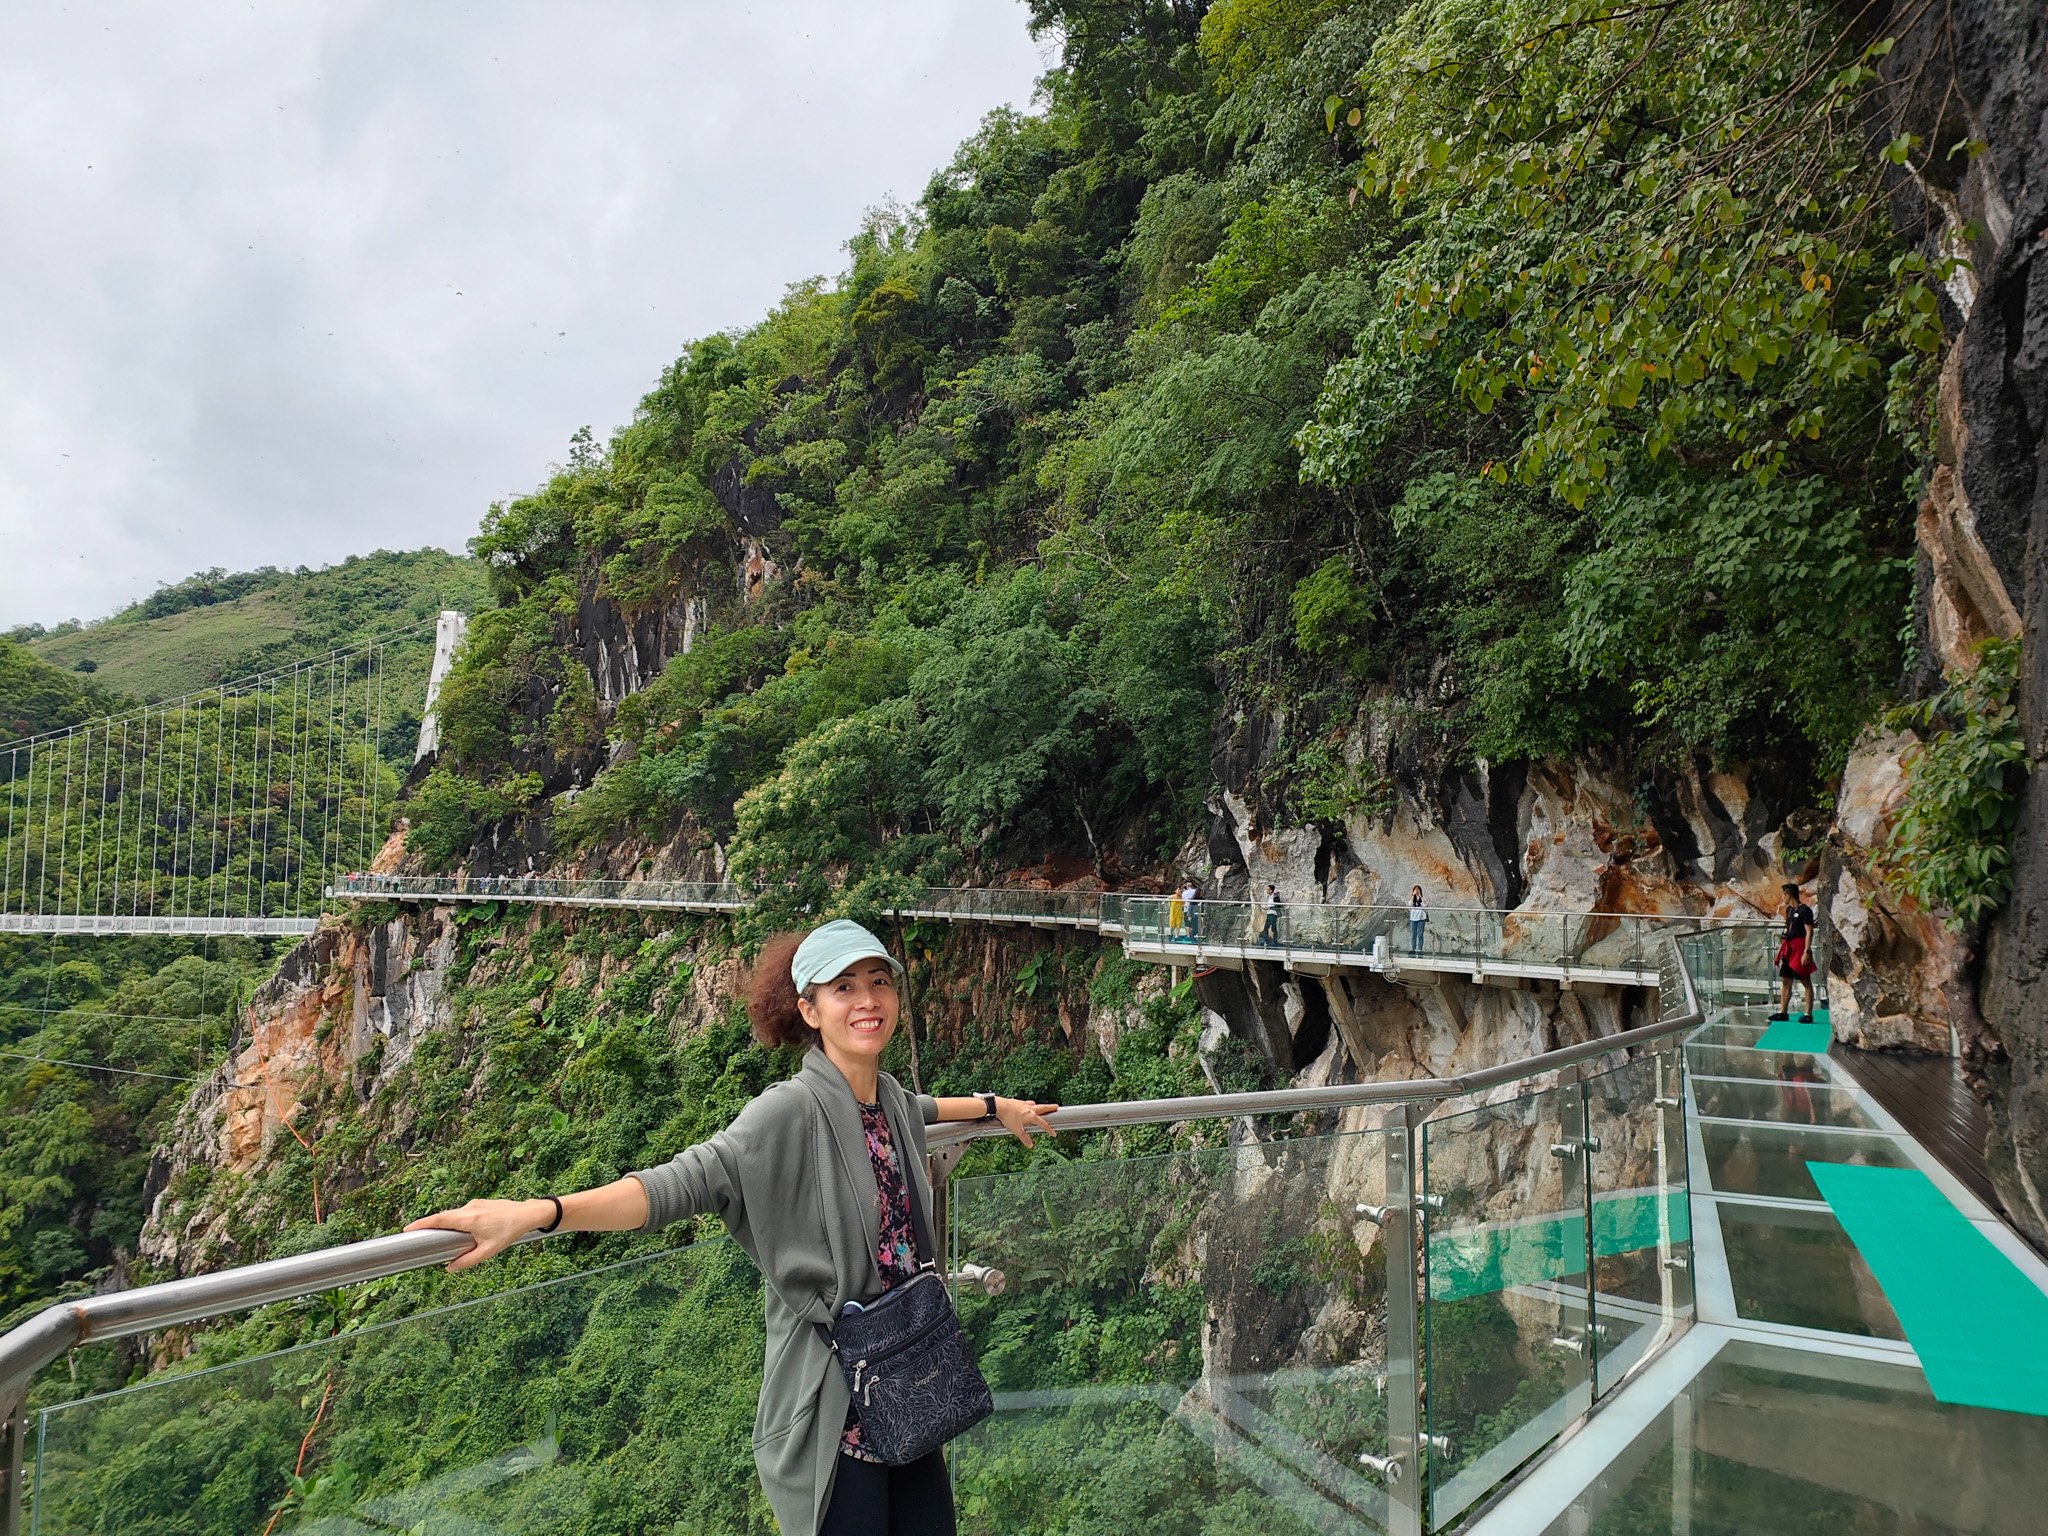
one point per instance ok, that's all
(771, 996)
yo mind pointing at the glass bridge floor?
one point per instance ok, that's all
(1794, 1404)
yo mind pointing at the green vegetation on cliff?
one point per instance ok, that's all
(1560, 382)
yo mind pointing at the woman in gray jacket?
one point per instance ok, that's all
(814, 1179)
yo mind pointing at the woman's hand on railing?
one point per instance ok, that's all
(495, 1224)
(1020, 1117)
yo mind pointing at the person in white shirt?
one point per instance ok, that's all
(1418, 916)
(1189, 895)
(1269, 904)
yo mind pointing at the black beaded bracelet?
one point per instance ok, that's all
(556, 1202)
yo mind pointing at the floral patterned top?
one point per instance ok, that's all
(896, 1251)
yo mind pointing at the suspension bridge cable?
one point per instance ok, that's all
(377, 763)
(220, 728)
(257, 781)
(327, 776)
(120, 817)
(99, 1066)
(156, 819)
(402, 633)
(7, 861)
(291, 741)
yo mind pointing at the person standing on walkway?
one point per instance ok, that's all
(1795, 955)
(1418, 918)
(1269, 905)
(805, 1172)
(1176, 915)
(1190, 897)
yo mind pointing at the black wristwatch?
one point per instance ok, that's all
(988, 1105)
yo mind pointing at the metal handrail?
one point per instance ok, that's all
(26, 1349)
(1281, 1101)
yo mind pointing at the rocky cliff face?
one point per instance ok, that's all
(1590, 834)
(1977, 70)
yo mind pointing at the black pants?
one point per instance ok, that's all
(869, 1499)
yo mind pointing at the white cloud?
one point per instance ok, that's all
(288, 282)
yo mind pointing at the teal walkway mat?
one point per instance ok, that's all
(1979, 1326)
(1814, 1038)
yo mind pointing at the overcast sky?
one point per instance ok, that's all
(285, 282)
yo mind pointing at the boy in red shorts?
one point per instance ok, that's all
(1795, 956)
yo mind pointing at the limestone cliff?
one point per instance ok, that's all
(1977, 71)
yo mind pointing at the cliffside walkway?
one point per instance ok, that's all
(1665, 1280)
(1571, 948)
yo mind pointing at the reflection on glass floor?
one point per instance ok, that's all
(1798, 1267)
(1747, 1061)
(1768, 1440)
(1728, 1033)
(1796, 1405)
(1744, 1099)
(1771, 1160)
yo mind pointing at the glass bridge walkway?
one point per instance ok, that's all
(1672, 1281)
(1614, 949)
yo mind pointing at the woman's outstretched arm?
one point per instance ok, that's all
(620, 1206)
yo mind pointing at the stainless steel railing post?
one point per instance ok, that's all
(13, 1459)
(1405, 1479)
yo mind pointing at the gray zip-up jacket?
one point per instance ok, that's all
(791, 1179)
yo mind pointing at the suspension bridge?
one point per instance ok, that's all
(223, 812)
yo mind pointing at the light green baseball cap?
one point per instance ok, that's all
(831, 948)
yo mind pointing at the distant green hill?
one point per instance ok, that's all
(215, 626)
(37, 697)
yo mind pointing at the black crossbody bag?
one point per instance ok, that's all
(914, 1383)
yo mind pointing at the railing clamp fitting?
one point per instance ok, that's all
(1386, 1468)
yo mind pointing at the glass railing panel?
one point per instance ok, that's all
(619, 1399)
(1642, 1213)
(1770, 1160)
(1506, 1295)
(1617, 943)
(1188, 1343)
(1444, 935)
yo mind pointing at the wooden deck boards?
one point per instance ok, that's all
(1927, 1095)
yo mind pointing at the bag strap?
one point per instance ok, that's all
(917, 1221)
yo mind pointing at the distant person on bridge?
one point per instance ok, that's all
(1269, 904)
(1190, 898)
(1418, 919)
(821, 1180)
(1176, 915)
(1795, 956)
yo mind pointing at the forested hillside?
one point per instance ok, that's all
(101, 1039)
(1256, 377)
(216, 626)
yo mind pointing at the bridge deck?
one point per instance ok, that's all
(194, 927)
